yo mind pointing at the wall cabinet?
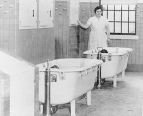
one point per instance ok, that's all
(74, 12)
(27, 14)
(46, 13)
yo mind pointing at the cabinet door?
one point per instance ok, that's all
(74, 12)
(22, 1)
(51, 9)
(46, 13)
(33, 13)
(27, 14)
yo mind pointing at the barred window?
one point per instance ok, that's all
(122, 19)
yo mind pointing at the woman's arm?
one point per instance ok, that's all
(82, 25)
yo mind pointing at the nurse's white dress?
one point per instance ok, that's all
(98, 36)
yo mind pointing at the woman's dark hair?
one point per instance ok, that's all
(97, 8)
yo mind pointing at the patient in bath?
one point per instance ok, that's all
(55, 66)
(104, 51)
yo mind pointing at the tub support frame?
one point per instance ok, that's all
(72, 103)
(123, 75)
(99, 56)
(89, 98)
(115, 81)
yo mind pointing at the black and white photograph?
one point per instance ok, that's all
(71, 57)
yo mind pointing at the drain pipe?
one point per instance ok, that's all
(99, 71)
(99, 2)
(47, 105)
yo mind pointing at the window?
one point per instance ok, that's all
(122, 19)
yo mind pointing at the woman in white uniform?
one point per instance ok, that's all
(100, 33)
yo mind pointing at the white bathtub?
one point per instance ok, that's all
(74, 78)
(115, 61)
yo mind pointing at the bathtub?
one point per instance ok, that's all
(70, 79)
(115, 61)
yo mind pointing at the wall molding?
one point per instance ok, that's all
(132, 37)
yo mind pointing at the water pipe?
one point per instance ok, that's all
(99, 71)
(47, 104)
(99, 2)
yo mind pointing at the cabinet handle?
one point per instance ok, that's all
(50, 13)
(33, 13)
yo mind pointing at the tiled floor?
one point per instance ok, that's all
(125, 100)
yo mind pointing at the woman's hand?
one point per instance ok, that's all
(108, 40)
(82, 25)
(79, 23)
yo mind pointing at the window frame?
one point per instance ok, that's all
(121, 22)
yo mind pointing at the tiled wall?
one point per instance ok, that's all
(34, 45)
(78, 38)
(135, 61)
(61, 41)
(7, 25)
(61, 28)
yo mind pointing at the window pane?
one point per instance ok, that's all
(111, 26)
(124, 27)
(124, 15)
(124, 7)
(105, 13)
(111, 15)
(117, 7)
(132, 7)
(117, 15)
(132, 16)
(110, 7)
(104, 7)
(131, 27)
(121, 18)
(117, 27)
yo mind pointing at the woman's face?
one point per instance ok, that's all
(98, 12)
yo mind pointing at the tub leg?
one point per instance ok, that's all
(89, 98)
(115, 81)
(41, 108)
(123, 75)
(99, 78)
(72, 108)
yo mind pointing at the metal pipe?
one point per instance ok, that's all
(47, 104)
(99, 71)
(99, 2)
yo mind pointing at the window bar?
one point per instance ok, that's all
(128, 19)
(121, 19)
(107, 11)
(99, 2)
(135, 18)
(114, 19)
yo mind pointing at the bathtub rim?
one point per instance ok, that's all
(96, 63)
(106, 54)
